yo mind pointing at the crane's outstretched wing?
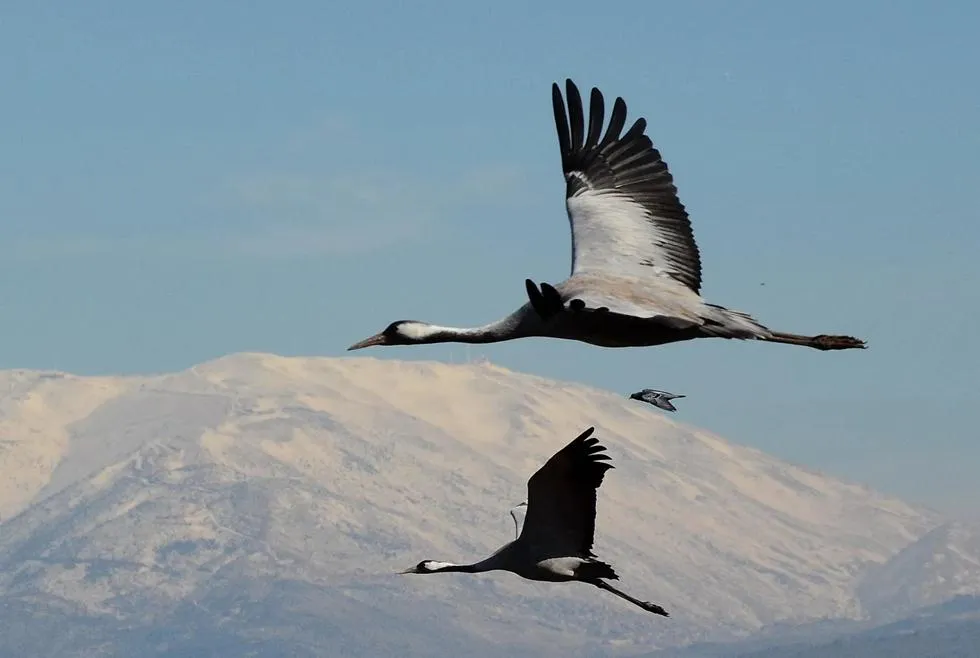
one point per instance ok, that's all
(621, 200)
(561, 497)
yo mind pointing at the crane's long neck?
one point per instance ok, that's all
(433, 333)
(449, 567)
(516, 325)
(501, 559)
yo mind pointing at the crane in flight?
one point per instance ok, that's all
(636, 269)
(555, 544)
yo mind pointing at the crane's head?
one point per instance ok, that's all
(402, 332)
(428, 566)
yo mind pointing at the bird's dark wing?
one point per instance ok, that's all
(621, 200)
(561, 499)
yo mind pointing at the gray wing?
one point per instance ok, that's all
(561, 499)
(620, 197)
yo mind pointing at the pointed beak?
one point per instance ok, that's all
(376, 339)
(412, 570)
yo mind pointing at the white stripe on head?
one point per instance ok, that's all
(418, 330)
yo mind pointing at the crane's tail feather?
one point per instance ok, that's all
(721, 322)
(821, 342)
(594, 569)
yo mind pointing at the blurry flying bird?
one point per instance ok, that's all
(657, 398)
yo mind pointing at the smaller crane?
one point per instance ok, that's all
(555, 544)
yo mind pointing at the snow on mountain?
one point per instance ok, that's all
(949, 630)
(229, 493)
(943, 564)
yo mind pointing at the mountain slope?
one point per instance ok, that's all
(951, 630)
(255, 483)
(943, 564)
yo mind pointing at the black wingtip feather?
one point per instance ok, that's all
(590, 457)
(616, 122)
(628, 164)
(596, 119)
(561, 124)
(576, 118)
(636, 131)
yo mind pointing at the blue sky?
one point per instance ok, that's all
(186, 180)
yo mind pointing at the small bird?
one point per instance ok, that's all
(635, 279)
(555, 544)
(657, 398)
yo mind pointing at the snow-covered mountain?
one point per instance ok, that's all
(950, 630)
(943, 564)
(260, 501)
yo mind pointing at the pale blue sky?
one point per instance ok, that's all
(185, 180)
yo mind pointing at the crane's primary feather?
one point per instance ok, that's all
(621, 199)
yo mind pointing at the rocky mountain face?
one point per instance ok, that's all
(259, 505)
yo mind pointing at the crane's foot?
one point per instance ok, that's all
(654, 608)
(821, 342)
(825, 342)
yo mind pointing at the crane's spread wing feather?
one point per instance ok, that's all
(621, 200)
(561, 499)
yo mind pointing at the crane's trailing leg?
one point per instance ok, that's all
(646, 605)
(821, 342)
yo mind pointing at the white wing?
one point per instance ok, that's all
(621, 200)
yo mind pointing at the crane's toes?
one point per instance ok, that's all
(825, 342)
